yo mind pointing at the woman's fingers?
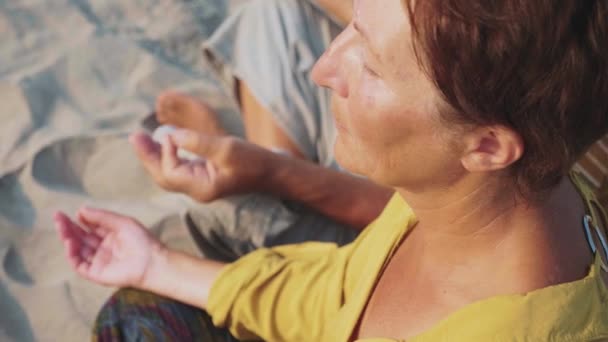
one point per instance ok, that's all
(62, 225)
(68, 229)
(95, 235)
(84, 270)
(80, 246)
(80, 257)
(86, 238)
(101, 233)
(87, 253)
(72, 252)
(95, 229)
(106, 220)
(91, 225)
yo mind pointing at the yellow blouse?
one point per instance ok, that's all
(317, 292)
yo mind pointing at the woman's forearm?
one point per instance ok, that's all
(181, 277)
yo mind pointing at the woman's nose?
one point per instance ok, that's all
(330, 70)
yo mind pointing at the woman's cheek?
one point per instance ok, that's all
(366, 105)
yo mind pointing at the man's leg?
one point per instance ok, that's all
(341, 10)
(261, 128)
(185, 111)
(269, 48)
(261, 124)
(264, 53)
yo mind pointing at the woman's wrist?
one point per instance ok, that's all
(152, 277)
(179, 276)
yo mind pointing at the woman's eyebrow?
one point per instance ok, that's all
(365, 34)
(359, 29)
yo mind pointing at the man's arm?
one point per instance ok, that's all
(352, 200)
(234, 166)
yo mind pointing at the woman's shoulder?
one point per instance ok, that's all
(394, 221)
(544, 309)
(576, 311)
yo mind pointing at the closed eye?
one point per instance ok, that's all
(370, 70)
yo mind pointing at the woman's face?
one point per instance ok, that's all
(385, 107)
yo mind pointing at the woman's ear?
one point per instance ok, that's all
(491, 148)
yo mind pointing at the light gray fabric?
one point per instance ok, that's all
(232, 227)
(272, 46)
(75, 77)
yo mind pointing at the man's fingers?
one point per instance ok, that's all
(105, 219)
(199, 144)
(144, 145)
(160, 160)
(149, 153)
(157, 159)
(169, 160)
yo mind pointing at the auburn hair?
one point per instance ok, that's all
(539, 67)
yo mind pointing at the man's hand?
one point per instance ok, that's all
(230, 165)
(233, 166)
(108, 248)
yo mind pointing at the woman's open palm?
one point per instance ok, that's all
(107, 248)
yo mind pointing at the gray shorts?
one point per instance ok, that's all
(272, 46)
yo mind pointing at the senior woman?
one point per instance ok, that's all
(473, 112)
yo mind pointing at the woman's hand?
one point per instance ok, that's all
(108, 248)
(230, 165)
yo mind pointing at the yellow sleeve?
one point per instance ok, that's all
(286, 293)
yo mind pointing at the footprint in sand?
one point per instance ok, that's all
(13, 267)
(102, 167)
(14, 322)
(35, 260)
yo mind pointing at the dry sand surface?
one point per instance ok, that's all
(76, 76)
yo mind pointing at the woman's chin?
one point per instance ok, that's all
(347, 158)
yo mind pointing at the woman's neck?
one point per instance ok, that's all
(468, 206)
(478, 218)
(478, 205)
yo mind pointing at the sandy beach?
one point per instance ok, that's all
(76, 76)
